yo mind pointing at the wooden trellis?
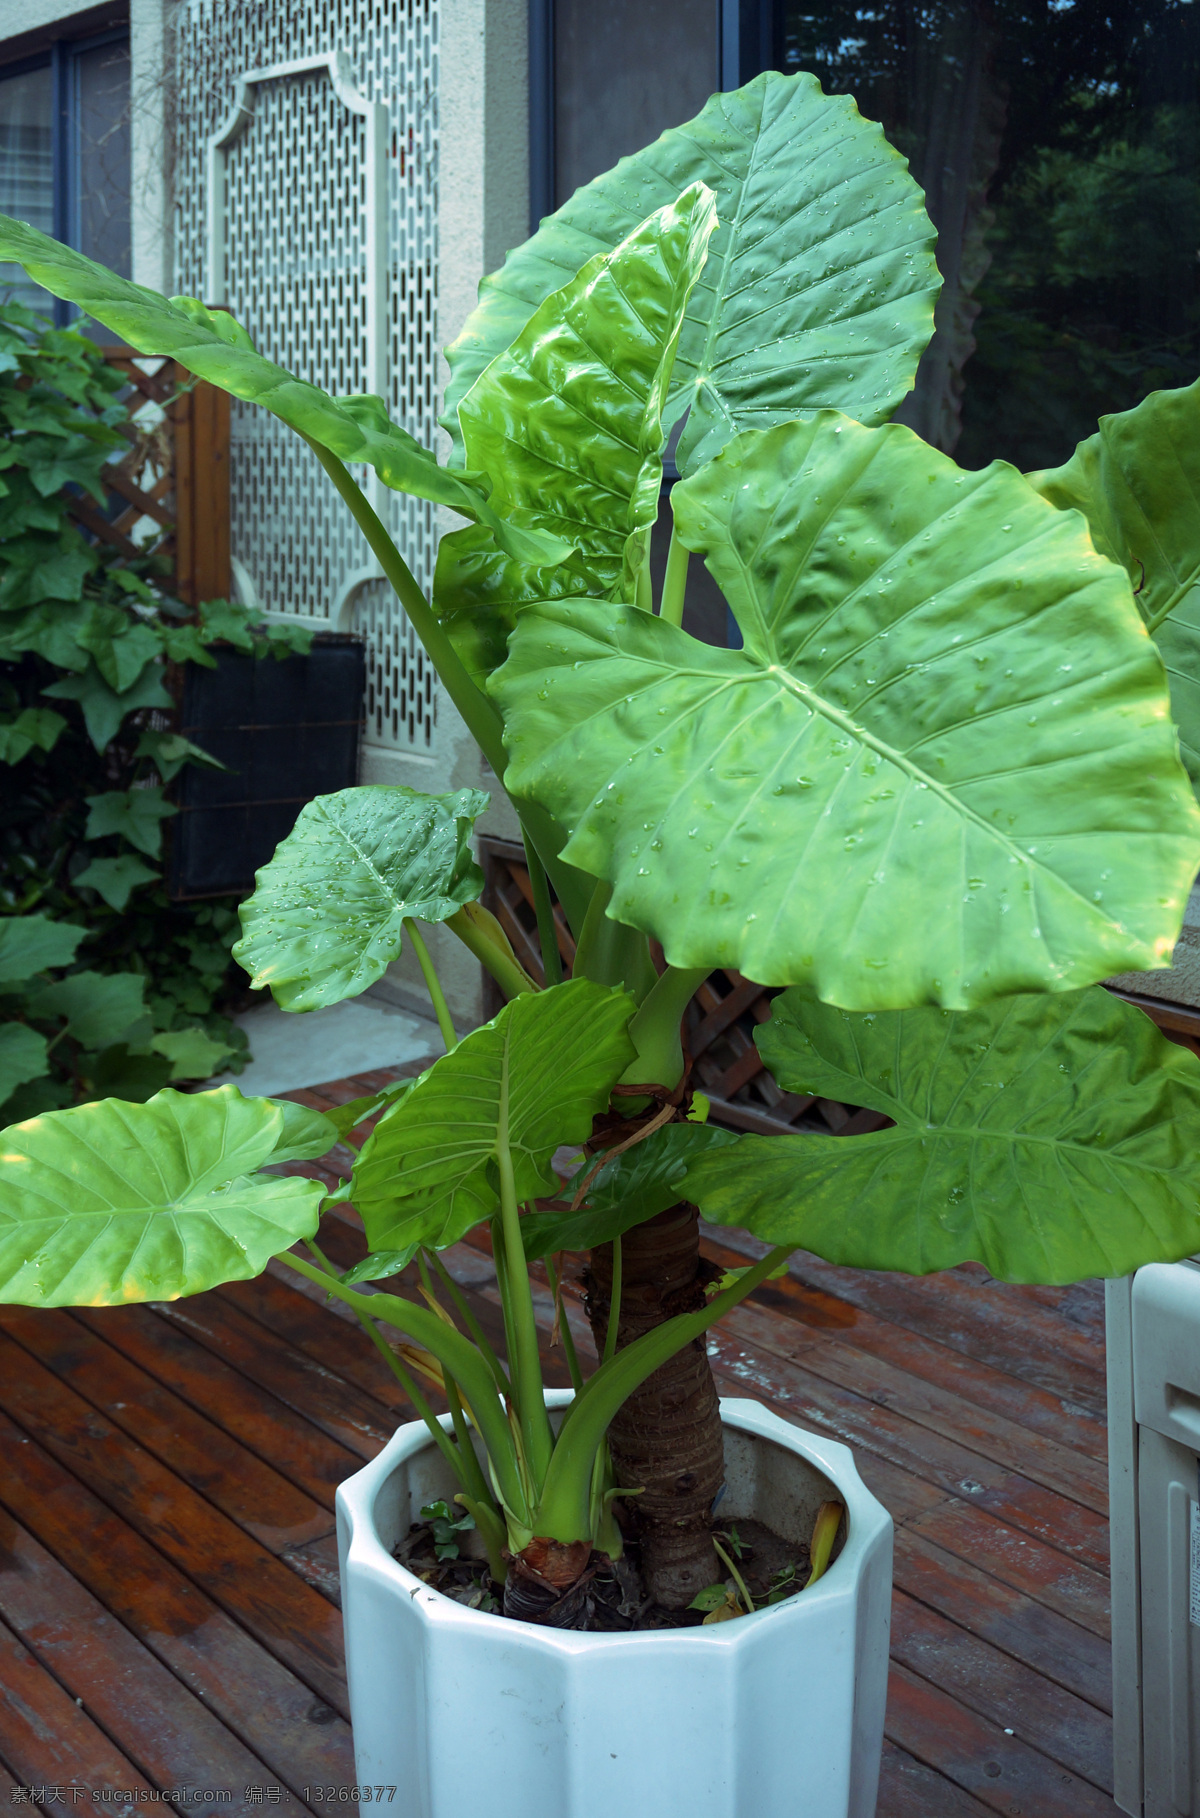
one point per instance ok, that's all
(169, 491)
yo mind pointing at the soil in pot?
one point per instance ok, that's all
(611, 1596)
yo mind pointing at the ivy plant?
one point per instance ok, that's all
(936, 794)
(117, 990)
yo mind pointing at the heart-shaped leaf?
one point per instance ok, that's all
(941, 769)
(215, 347)
(1137, 482)
(821, 279)
(569, 421)
(628, 1190)
(33, 943)
(326, 916)
(113, 1202)
(423, 1175)
(1048, 1137)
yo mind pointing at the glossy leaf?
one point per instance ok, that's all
(1048, 1137)
(304, 1134)
(325, 918)
(33, 943)
(941, 769)
(427, 1174)
(112, 1202)
(97, 1007)
(1137, 482)
(211, 344)
(569, 421)
(821, 279)
(627, 1191)
(22, 1057)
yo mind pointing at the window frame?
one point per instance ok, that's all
(61, 58)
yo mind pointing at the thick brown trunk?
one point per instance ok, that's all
(667, 1437)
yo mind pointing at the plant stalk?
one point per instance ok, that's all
(544, 910)
(476, 938)
(654, 1031)
(433, 984)
(524, 1361)
(481, 719)
(674, 581)
(614, 1302)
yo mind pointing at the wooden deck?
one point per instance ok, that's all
(168, 1574)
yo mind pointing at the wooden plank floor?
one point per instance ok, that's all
(168, 1575)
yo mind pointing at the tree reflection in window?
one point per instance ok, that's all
(1059, 148)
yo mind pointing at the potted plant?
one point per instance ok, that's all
(936, 794)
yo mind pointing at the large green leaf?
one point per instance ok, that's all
(426, 1173)
(32, 943)
(1137, 482)
(326, 915)
(1047, 1137)
(628, 1190)
(112, 1202)
(569, 421)
(215, 347)
(941, 769)
(820, 282)
(22, 1057)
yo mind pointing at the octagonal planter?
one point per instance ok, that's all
(774, 1715)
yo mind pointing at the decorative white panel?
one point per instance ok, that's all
(306, 189)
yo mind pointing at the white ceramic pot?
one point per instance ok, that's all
(774, 1715)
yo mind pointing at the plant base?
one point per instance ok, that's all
(775, 1715)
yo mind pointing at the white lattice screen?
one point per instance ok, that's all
(325, 247)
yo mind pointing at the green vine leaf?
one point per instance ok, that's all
(1048, 1137)
(325, 920)
(112, 1202)
(940, 770)
(22, 1057)
(136, 814)
(823, 234)
(33, 943)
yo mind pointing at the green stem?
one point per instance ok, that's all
(524, 1361)
(614, 1301)
(544, 910)
(472, 1324)
(510, 977)
(454, 1352)
(644, 597)
(674, 581)
(563, 1511)
(654, 1031)
(433, 984)
(406, 1381)
(469, 1474)
(564, 1327)
(738, 1580)
(481, 718)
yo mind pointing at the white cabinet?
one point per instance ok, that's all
(1154, 1446)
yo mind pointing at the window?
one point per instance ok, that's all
(64, 155)
(1057, 142)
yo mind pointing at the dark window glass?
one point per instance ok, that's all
(625, 70)
(101, 133)
(27, 166)
(1057, 144)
